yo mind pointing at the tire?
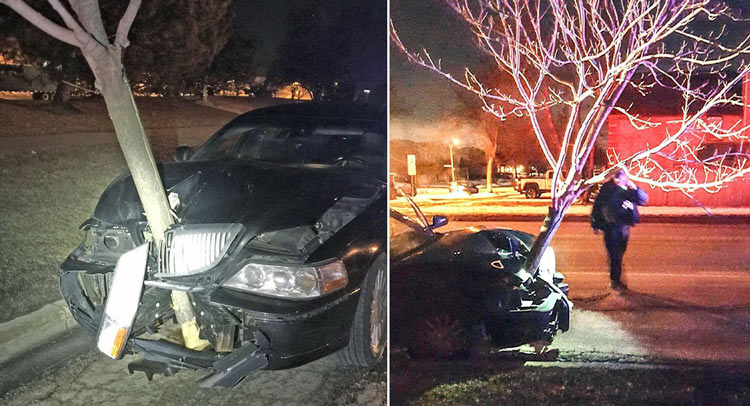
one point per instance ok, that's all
(369, 333)
(438, 336)
(531, 191)
(46, 96)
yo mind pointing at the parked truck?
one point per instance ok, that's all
(27, 78)
(534, 186)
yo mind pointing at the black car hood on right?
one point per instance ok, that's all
(263, 196)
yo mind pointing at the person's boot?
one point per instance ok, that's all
(618, 286)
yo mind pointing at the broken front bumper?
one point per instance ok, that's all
(531, 321)
(249, 331)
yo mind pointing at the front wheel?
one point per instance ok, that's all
(368, 336)
(437, 336)
(531, 192)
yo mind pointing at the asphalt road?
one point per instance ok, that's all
(689, 296)
(69, 371)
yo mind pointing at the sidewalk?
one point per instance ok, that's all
(505, 206)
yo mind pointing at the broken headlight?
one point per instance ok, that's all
(290, 281)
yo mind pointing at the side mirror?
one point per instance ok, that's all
(438, 221)
(183, 153)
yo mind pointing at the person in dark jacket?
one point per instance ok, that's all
(615, 211)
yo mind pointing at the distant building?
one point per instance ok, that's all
(665, 107)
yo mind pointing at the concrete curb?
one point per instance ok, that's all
(30, 330)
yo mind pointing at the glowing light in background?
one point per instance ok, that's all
(293, 91)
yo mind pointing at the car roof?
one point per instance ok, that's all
(356, 111)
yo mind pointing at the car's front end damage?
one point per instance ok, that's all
(273, 259)
(529, 309)
(523, 308)
(451, 289)
(282, 298)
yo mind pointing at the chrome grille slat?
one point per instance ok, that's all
(194, 248)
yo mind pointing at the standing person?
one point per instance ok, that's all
(615, 211)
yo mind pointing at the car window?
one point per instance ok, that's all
(219, 147)
(300, 141)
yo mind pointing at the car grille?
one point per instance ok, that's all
(195, 248)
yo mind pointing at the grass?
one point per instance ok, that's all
(44, 197)
(457, 383)
(30, 118)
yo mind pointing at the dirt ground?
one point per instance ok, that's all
(93, 379)
(492, 381)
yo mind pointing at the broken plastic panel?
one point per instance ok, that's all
(122, 303)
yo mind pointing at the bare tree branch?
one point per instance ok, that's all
(123, 28)
(42, 22)
(579, 56)
(68, 18)
(90, 17)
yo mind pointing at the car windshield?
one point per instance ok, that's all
(406, 235)
(294, 140)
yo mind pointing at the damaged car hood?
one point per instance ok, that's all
(264, 197)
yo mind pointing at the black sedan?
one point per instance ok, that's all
(279, 240)
(450, 290)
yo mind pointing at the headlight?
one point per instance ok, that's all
(290, 281)
(547, 265)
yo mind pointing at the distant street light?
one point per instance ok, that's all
(454, 184)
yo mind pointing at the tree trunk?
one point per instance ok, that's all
(490, 171)
(135, 147)
(546, 233)
(137, 151)
(62, 93)
(105, 60)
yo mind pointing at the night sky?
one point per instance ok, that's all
(424, 96)
(267, 22)
(428, 24)
(263, 20)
